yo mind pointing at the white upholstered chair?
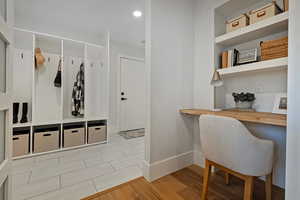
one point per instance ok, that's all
(229, 146)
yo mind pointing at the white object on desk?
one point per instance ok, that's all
(280, 104)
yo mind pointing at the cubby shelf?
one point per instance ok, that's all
(20, 125)
(269, 65)
(51, 106)
(61, 149)
(74, 120)
(276, 24)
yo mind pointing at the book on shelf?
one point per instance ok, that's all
(229, 58)
(224, 59)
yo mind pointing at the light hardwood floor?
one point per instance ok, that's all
(185, 184)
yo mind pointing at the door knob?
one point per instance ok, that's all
(123, 99)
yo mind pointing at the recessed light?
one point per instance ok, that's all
(137, 13)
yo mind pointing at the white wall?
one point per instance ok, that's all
(263, 84)
(293, 137)
(172, 40)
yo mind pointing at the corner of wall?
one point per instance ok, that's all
(162, 168)
(199, 159)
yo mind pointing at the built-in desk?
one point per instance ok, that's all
(245, 116)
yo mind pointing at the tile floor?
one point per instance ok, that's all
(75, 174)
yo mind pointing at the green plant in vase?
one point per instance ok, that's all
(243, 100)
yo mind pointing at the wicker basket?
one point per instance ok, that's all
(274, 49)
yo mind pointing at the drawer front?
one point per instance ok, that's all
(97, 134)
(46, 141)
(20, 145)
(263, 14)
(74, 137)
(237, 24)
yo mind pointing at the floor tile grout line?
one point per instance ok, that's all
(94, 184)
(46, 178)
(85, 180)
(60, 183)
(30, 175)
(34, 196)
(97, 151)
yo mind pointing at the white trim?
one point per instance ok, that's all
(131, 58)
(5, 32)
(5, 168)
(57, 37)
(146, 170)
(108, 83)
(121, 56)
(148, 50)
(172, 164)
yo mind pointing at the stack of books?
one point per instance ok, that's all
(229, 58)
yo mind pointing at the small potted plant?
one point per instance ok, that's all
(243, 100)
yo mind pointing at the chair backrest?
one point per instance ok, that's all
(229, 143)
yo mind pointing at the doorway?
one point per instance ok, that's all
(132, 94)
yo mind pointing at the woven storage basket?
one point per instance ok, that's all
(274, 49)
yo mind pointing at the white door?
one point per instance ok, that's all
(133, 94)
(5, 102)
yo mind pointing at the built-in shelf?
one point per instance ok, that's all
(97, 118)
(20, 125)
(276, 24)
(269, 65)
(74, 120)
(61, 149)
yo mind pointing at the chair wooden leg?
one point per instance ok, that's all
(227, 178)
(248, 191)
(269, 183)
(207, 171)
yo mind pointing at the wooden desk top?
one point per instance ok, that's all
(255, 117)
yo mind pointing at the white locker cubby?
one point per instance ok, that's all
(73, 54)
(97, 74)
(52, 105)
(47, 98)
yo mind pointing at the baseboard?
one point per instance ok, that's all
(162, 168)
(146, 170)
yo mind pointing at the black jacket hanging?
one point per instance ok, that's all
(57, 80)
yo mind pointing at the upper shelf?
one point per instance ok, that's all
(276, 24)
(279, 63)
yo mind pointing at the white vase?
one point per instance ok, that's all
(244, 105)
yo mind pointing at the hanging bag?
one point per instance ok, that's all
(57, 80)
(39, 58)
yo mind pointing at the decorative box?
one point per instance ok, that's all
(20, 142)
(274, 49)
(237, 23)
(265, 12)
(74, 135)
(247, 56)
(45, 139)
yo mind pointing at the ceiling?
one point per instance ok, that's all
(84, 19)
